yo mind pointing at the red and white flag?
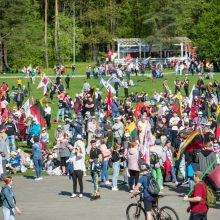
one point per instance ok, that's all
(109, 102)
(44, 83)
(148, 140)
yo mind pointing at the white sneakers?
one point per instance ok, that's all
(114, 189)
(39, 178)
(74, 195)
(107, 183)
(80, 195)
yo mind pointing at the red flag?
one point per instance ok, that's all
(193, 112)
(109, 102)
(36, 112)
(138, 108)
(6, 113)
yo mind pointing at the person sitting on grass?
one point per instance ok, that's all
(14, 163)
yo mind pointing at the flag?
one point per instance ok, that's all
(193, 111)
(137, 110)
(38, 112)
(190, 143)
(145, 149)
(109, 103)
(217, 132)
(107, 85)
(132, 130)
(5, 113)
(177, 106)
(114, 79)
(26, 108)
(191, 96)
(44, 83)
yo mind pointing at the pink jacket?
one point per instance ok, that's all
(133, 159)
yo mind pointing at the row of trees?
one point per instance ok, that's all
(41, 31)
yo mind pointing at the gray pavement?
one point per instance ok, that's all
(50, 199)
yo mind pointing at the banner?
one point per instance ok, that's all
(26, 108)
(148, 139)
(107, 85)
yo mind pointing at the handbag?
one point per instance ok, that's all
(69, 168)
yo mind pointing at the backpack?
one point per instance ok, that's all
(211, 197)
(153, 187)
(154, 158)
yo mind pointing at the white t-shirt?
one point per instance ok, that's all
(48, 110)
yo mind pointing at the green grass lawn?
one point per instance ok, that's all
(76, 86)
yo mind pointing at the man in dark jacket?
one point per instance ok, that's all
(19, 98)
(67, 80)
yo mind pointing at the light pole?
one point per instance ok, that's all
(74, 34)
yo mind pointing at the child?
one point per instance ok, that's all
(50, 165)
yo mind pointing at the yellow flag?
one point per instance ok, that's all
(178, 96)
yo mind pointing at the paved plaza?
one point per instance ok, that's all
(50, 199)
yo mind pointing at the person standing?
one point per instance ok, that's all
(177, 85)
(126, 88)
(73, 69)
(37, 157)
(198, 208)
(116, 159)
(133, 165)
(19, 83)
(11, 131)
(88, 72)
(76, 158)
(186, 86)
(8, 200)
(19, 98)
(47, 111)
(67, 80)
(95, 160)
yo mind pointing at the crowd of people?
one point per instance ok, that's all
(88, 138)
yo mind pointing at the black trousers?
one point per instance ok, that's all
(47, 118)
(19, 104)
(67, 85)
(77, 175)
(126, 92)
(186, 89)
(134, 177)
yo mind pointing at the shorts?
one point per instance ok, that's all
(148, 204)
(63, 161)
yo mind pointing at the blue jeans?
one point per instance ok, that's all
(60, 112)
(116, 169)
(95, 179)
(38, 166)
(8, 214)
(11, 141)
(173, 174)
(198, 216)
(104, 175)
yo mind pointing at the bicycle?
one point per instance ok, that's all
(137, 212)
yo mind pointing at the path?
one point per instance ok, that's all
(76, 76)
(49, 199)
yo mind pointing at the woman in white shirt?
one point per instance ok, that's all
(77, 160)
(47, 111)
